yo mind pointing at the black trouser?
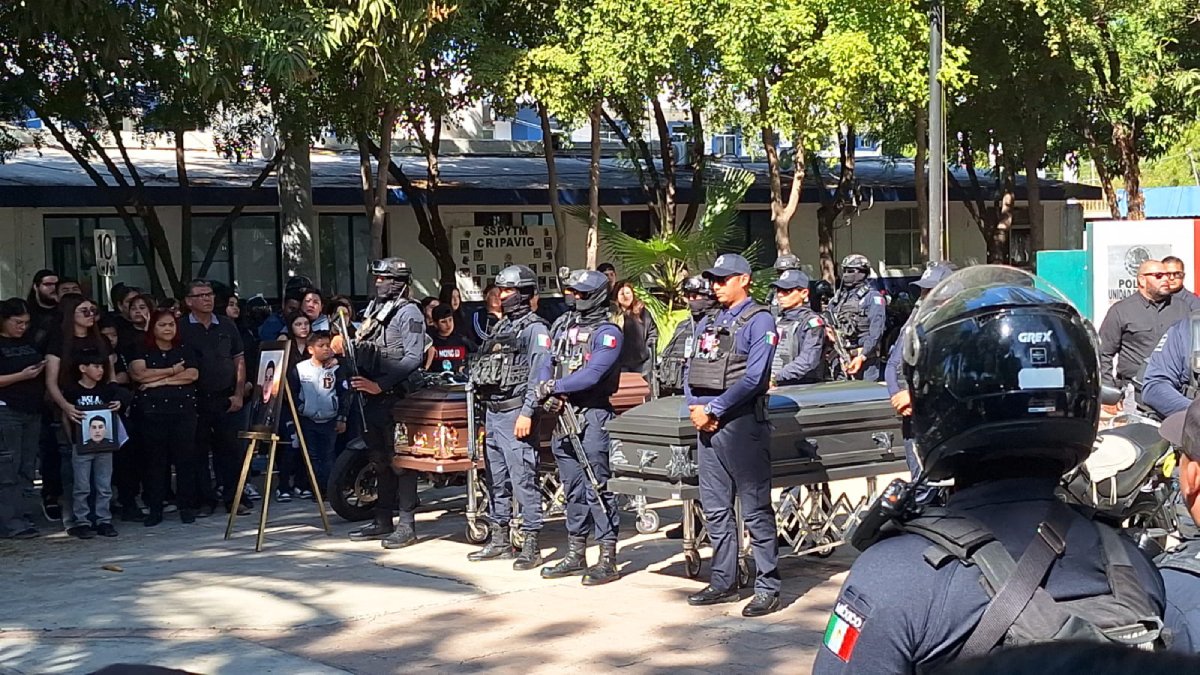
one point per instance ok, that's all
(129, 463)
(397, 489)
(171, 439)
(50, 463)
(216, 435)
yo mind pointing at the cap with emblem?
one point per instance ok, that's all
(792, 279)
(1182, 430)
(728, 265)
(934, 273)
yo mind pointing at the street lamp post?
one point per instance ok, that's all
(937, 135)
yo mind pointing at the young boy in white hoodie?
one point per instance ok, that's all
(320, 386)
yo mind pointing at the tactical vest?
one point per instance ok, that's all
(572, 349)
(715, 364)
(1125, 615)
(501, 369)
(785, 351)
(673, 359)
(851, 316)
(371, 339)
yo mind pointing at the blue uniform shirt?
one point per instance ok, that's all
(757, 340)
(1183, 604)
(536, 338)
(1169, 370)
(605, 344)
(808, 344)
(896, 612)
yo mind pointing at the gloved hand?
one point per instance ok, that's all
(552, 405)
(545, 390)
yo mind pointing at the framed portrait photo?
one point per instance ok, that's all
(98, 431)
(268, 385)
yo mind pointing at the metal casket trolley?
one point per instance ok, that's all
(820, 433)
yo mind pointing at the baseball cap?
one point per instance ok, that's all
(934, 273)
(1182, 430)
(792, 279)
(728, 265)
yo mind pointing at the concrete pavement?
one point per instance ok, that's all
(183, 597)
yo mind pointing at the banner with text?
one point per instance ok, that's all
(487, 247)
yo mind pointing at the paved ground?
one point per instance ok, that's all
(181, 596)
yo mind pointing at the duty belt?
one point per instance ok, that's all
(506, 405)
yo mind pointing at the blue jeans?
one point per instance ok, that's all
(92, 477)
(320, 437)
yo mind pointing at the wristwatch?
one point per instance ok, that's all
(708, 409)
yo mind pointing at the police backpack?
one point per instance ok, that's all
(1021, 612)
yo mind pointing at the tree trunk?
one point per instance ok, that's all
(1126, 145)
(1099, 157)
(434, 235)
(668, 166)
(593, 232)
(297, 218)
(378, 209)
(1033, 154)
(921, 178)
(185, 204)
(556, 210)
(698, 161)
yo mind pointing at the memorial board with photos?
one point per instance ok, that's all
(498, 240)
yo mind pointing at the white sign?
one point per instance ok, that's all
(106, 252)
(1118, 247)
(481, 251)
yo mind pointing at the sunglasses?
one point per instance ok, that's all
(88, 311)
(1164, 275)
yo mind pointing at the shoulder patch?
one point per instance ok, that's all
(543, 341)
(843, 629)
(815, 322)
(1161, 341)
(878, 299)
(771, 338)
(608, 341)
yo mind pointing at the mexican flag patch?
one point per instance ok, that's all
(543, 341)
(879, 300)
(842, 631)
(608, 341)
(771, 338)
(815, 322)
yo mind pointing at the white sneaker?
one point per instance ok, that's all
(250, 491)
(283, 496)
(305, 494)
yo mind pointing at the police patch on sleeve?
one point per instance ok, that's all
(842, 631)
(608, 341)
(416, 326)
(878, 299)
(771, 338)
(543, 341)
(815, 322)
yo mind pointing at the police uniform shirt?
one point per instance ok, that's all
(1130, 331)
(757, 340)
(605, 341)
(1183, 603)
(806, 344)
(874, 306)
(1188, 298)
(896, 611)
(1169, 371)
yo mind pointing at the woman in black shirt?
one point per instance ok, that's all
(639, 331)
(166, 375)
(21, 393)
(79, 332)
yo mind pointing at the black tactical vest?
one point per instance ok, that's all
(851, 315)
(715, 363)
(501, 369)
(673, 359)
(572, 349)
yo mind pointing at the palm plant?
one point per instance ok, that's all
(666, 259)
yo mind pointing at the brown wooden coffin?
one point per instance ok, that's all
(632, 392)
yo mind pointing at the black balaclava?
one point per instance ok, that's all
(701, 306)
(389, 288)
(593, 307)
(853, 279)
(517, 305)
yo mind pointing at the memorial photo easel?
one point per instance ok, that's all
(255, 437)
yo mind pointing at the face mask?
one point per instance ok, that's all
(699, 306)
(510, 303)
(388, 288)
(569, 301)
(853, 278)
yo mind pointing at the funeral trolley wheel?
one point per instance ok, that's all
(647, 522)
(825, 541)
(691, 564)
(353, 486)
(478, 531)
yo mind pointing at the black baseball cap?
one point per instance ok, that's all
(792, 279)
(728, 265)
(1182, 430)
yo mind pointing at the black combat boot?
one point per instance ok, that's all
(498, 547)
(380, 528)
(574, 563)
(604, 571)
(531, 554)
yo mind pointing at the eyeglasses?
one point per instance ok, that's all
(88, 311)
(1164, 275)
(201, 296)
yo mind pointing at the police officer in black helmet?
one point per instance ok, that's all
(505, 376)
(390, 347)
(861, 315)
(1005, 384)
(585, 371)
(701, 303)
(727, 379)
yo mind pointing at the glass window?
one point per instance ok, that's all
(902, 238)
(345, 241)
(636, 224)
(750, 228)
(724, 145)
(71, 252)
(248, 259)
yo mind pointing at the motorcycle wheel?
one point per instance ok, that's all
(353, 486)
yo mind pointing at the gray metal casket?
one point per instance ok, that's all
(820, 433)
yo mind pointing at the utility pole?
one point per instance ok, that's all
(937, 137)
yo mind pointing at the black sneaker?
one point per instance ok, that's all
(187, 516)
(106, 530)
(27, 533)
(153, 519)
(52, 511)
(81, 532)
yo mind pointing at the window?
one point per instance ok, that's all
(247, 258)
(636, 224)
(902, 238)
(1020, 237)
(71, 253)
(493, 219)
(724, 145)
(345, 241)
(753, 228)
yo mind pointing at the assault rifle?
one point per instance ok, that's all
(568, 426)
(839, 343)
(351, 357)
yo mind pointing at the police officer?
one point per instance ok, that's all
(801, 332)
(1171, 371)
(861, 315)
(893, 372)
(1181, 567)
(585, 371)
(701, 303)
(504, 376)
(726, 385)
(390, 346)
(1005, 399)
(783, 263)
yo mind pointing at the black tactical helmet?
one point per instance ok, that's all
(856, 261)
(517, 276)
(592, 287)
(1001, 368)
(396, 268)
(786, 262)
(697, 285)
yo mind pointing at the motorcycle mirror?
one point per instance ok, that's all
(1110, 395)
